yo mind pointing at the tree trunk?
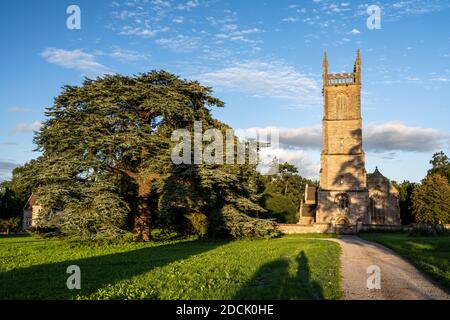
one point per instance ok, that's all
(143, 217)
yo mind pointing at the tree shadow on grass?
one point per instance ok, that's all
(274, 281)
(48, 281)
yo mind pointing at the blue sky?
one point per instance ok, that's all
(263, 58)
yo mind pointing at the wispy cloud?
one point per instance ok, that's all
(440, 79)
(238, 35)
(392, 11)
(188, 5)
(19, 110)
(290, 19)
(26, 127)
(125, 55)
(75, 59)
(274, 79)
(142, 32)
(179, 43)
(178, 19)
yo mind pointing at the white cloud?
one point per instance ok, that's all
(273, 79)
(127, 55)
(290, 19)
(440, 79)
(26, 127)
(178, 19)
(76, 59)
(307, 137)
(232, 32)
(398, 10)
(179, 43)
(142, 32)
(307, 167)
(161, 3)
(390, 136)
(355, 32)
(282, 151)
(396, 136)
(188, 5)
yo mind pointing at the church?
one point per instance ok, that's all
(347, 199)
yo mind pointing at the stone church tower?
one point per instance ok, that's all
(346, 199)
(343, 197)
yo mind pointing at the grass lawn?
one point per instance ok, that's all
(291, 267)
(430, 254)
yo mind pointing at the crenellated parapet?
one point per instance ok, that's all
(336, 79)
(342, 79)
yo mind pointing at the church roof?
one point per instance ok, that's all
(377, 175)
(32, 200)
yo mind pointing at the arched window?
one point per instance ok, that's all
(342, 202)
(376, 212)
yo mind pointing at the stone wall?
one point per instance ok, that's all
(328, 211)
(383, 206)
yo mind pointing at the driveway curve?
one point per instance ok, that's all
(400, 280)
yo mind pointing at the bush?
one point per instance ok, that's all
(239, 225)
(280, 207)
(199, 223)
(428, 230)
(10, 224)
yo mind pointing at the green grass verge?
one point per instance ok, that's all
(291, 267)
(430, 254)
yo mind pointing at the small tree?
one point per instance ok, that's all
(10, 224)
(440, 165)
(431, 200)
(405, 190)
(10, 204)
(287, 170)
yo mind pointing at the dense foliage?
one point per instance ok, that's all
(106, 167)
(284, 192)
(405, 190)
(431, 200)
(10, 203)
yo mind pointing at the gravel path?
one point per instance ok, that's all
(400, 280)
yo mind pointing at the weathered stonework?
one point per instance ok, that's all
(346, 200)
(383, 206)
